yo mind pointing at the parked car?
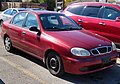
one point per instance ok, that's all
(59, 42)
(100, 18)
(8, 13)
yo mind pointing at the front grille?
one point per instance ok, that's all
(101, 50)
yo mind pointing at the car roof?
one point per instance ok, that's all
(96, 4)
(91, 3)
(43, 12)
(23, 9)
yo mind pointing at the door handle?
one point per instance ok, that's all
(102, 23)
(10, 27)
(23, 32)
(80, 20)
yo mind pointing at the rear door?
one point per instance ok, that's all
(75, 12)
(110, 27)
(15, 29)
(91, 19)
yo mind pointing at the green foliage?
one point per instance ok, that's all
(38, 1)
(1, 0)
(51, 4)
(68, 1)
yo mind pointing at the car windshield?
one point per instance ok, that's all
(58, 22)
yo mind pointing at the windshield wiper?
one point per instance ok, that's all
(73, 28)
(61, 29)
(55, 28)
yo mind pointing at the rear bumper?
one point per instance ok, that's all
(89, 65)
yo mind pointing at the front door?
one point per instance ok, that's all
(31, 39)
(89, 19)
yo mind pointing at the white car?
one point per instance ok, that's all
(8, 13)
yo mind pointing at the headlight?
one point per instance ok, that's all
(113, 46)
(80, 52)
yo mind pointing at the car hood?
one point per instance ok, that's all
(77, 38)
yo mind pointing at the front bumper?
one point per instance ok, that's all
(89, 65)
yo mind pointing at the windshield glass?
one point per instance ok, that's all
(58, 22)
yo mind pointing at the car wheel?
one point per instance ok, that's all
(54, 64)
(8, 44)
(1, 21)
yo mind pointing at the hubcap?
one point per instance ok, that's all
(7, 43)
(53, 63)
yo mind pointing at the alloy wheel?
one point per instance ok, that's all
(8, 44)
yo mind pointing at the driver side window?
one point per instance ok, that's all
(31, 21)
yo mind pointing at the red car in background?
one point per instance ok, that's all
(59, 42)
(100, 18)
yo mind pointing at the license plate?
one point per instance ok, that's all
(106, 60)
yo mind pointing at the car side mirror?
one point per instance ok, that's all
(117, 19)
(34, 28)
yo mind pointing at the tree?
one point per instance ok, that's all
(1, 4)
(38, 1)
(51, 4)
(68, 1)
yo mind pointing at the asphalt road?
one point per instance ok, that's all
(21, 68)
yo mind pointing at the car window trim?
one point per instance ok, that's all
(79, 10)
(99, 15)
(91, 6)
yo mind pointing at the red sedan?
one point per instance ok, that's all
(100, 18)
(59, 42)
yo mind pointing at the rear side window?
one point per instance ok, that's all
(76, 9)
(91, 11)
(13, 12)
(18, 19)
(8, 11)
(110, 13)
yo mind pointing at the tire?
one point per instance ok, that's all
(54, 64)
(8, 44)
(1, 21)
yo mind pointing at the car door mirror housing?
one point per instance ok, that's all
(117, 19)
(34, 28)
